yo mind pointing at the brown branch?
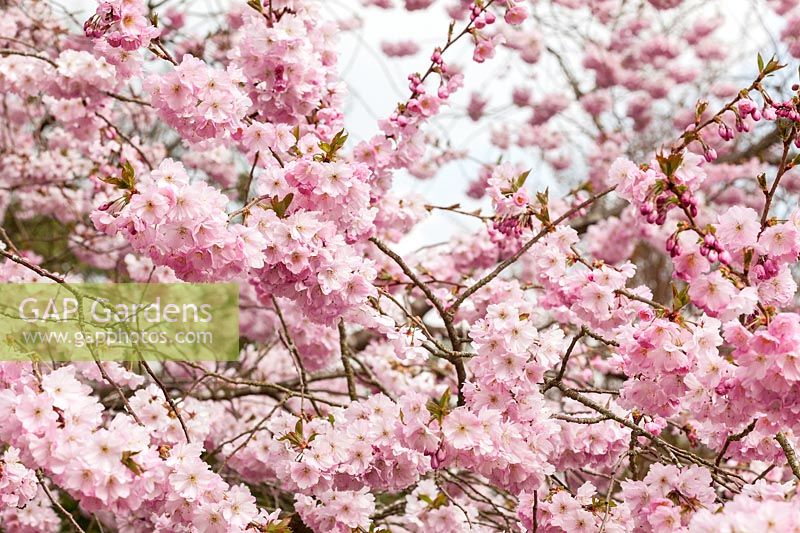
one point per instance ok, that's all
(733, 438)
(58, 505)
(348, 368)
(552, 383)
(788, 451)
(513, 259)
(170, 402)
(447, 318)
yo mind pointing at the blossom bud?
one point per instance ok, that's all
(746, 107)
(516, 15)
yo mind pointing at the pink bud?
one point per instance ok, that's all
(746, 106)
(516, 15)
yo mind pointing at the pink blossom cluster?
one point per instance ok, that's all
(364, 445)
(308, 250)
(766, 375)
(759, 507)
(183, 225)
(200, 102)
(561, 511)
(122, 23)
(579, 359)
(146, 473)
(668, 496)
(661, 354)
(337, 511)
(288, 66)
(18, 484)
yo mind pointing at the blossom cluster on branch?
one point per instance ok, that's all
(609, 342)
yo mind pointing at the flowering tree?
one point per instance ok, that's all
(619, 351)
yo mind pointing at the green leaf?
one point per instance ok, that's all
(115, 181)
(339, 139)
(444, 401)
(702, 105)
(128, 176)
(130, 464)
(521, 180)
(280, 206)
(760, 63)
(279, 527)
(669, 164)
(762, 181)
(439, 408)
(256, 4)
(771, 66)
(680, 298)
(330, 149)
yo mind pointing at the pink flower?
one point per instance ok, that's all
(738, 228)
(521, 198)
(150, 206)
(304, 475)
(713, 292)
(35, 412)
(462, 429)
(190, 478)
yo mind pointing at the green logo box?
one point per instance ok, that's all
(119, 322)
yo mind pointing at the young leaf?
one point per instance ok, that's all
(128, 176)
(521, 180)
